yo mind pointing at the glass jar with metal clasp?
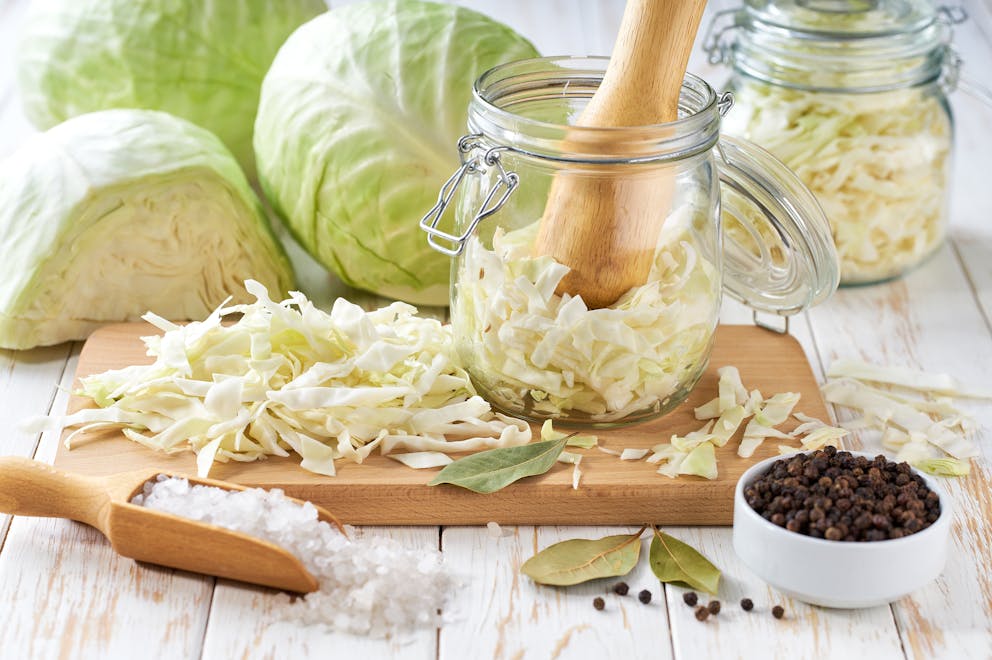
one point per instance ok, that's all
(852, 96)
(538, 354)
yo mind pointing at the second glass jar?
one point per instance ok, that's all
(852, 95)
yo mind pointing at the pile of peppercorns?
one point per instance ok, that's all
(703, 612)
(831, 494)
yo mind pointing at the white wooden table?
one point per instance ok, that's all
(65, 594)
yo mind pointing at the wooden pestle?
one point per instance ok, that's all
(605, 228)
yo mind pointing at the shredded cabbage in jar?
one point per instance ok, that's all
(539, 354)
(877, 163)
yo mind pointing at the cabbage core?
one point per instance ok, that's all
(153, 245)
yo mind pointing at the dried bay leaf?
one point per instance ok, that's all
(675, 561)
(580, 560)
(489, 471)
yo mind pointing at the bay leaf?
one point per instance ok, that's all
(491, 470)
(677, 562)
(581, 560)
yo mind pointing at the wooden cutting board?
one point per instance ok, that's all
(383, 491)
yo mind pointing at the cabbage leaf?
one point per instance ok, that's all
(202, 60)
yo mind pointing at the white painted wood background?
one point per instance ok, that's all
(64, 593)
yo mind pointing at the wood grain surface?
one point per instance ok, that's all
(65, 594)
(382, 491)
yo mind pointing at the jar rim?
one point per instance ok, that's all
(571, 78)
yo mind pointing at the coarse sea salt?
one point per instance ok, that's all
(375, 586)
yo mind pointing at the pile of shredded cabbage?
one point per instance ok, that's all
(536, 353)
(913, 410)
(877, 163)
(288, 377)
(695, 452)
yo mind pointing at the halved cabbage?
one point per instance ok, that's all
(115, 212)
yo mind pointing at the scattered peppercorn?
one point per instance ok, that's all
(835, 495)
(714, 607)
(747, 604)
(598, 603)
(644, 596)
(690, 598)
(621, 588)
(702, 613)
(778, 611)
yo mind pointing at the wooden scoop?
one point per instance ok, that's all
(606, 228)
(31, 488)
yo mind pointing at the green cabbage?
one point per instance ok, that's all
(202, 60)
(877, 163)
(114, 212)
(535, 352)
(356, 131)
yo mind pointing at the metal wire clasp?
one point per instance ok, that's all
(478, 164)
(717, 40)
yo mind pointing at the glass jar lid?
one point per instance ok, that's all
(778, 253)
(844, 18)
(835, 45)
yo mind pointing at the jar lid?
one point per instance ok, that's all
(778, 253)
(844, 18)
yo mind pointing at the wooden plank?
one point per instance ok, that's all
(929, 320)
(381, 491)
(65, 593)
(971, 204)
(505, 615)
(28, 382)
(257, 623)
(804, 632)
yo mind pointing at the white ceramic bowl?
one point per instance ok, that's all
(838, 573)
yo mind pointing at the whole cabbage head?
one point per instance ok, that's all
(113, 213)
(202, 60)
(356, 131)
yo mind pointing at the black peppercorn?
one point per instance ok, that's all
(644, 596)
(690, 598)
(621, 588)
(714, 607)
(833, 495)
(746, 604)
(598, 603)
(702, 613)
(778, 611)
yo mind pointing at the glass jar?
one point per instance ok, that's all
(852, 96)
(536, 354)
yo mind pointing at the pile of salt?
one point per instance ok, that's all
(373, 587)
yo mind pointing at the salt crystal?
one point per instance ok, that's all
(366, 585)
